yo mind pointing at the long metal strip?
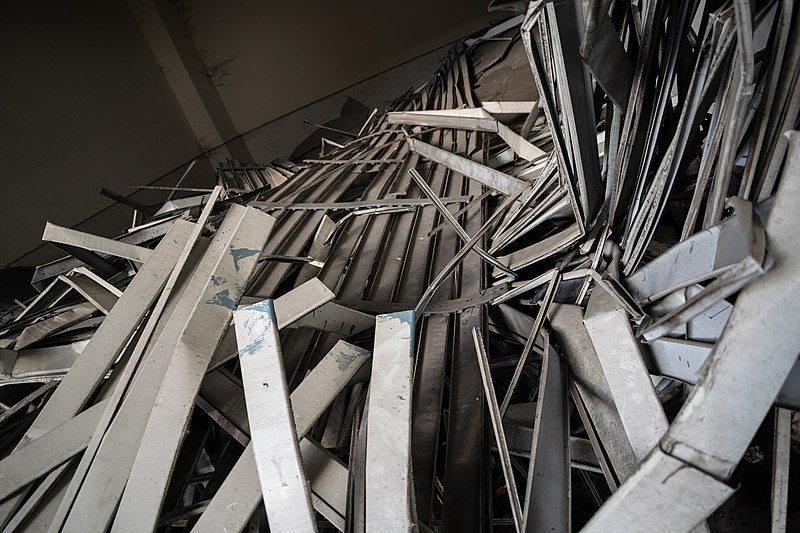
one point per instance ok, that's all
(488, 176)
(781, 456)
(35, 498)
(497, 425)
(567, 323)
(357, 204)
(240, 493)
(49, 326)
(628, 380)
(48, 297)
(240, 242)
(135, 236)
(388, 470)
(27, 400)
(104, 468)
(121, 379)
(62, 475)
(548, 492)
(42, 455)
(94, 288)
(274, 437)
(110, 338)
(328, 478)
(79, 239)
(542, 249)
(474, 119)
(326, 474)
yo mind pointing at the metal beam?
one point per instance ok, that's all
(274, 437)
(390, 490)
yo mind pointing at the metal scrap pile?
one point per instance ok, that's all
(556, 287)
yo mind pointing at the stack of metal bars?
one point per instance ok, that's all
(551, 289)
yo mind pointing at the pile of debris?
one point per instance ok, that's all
(554, 288)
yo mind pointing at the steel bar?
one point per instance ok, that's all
(781, 456)
(628, 379)
(123, 378)
(499, 434)
(242, 240)
(78, 239)
(547, 495)
(389, 491)
(240, 493)
(274, 437)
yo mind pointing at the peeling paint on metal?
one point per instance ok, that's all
(345, 359)
(252, 348)
(241, 253)
(224, 299)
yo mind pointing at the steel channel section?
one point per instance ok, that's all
(467, 464)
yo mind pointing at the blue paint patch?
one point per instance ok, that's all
(264, 306)
(407, 318)
(224, 299)
(344, 360)
(217, 280)
(241, 253)
(252, 348)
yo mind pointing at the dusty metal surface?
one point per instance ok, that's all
(555, 288)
